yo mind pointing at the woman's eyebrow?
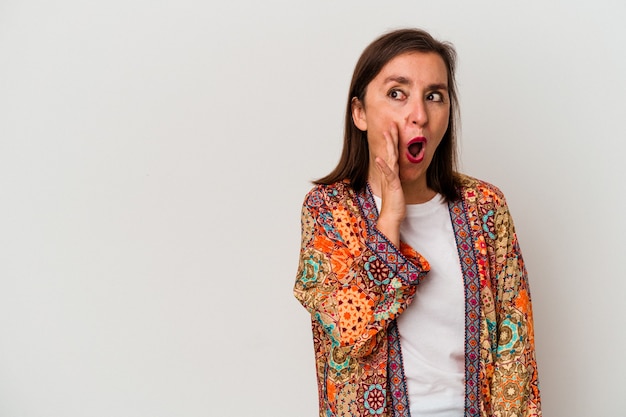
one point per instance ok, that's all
(405, 81)
(397, 79)
(438, 86)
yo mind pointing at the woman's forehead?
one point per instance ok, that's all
(412, 67)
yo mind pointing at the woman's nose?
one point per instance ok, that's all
(417, 113)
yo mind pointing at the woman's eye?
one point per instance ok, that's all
(397, 95)
(438, 97)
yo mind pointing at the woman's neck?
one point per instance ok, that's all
(415, 192)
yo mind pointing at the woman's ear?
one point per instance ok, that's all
(358, 114)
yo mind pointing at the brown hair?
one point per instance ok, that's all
(354, 161)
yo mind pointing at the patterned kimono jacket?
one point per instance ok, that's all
(355, 283)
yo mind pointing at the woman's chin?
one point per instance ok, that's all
(412, 176)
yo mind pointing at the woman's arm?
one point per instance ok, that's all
(350, 289)
(514, 389)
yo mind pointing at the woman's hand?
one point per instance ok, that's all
(393, 207)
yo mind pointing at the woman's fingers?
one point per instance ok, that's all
(393, 206)
(389, 176)
(391, 141)
(384, 169)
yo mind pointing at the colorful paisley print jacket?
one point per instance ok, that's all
(354, 282)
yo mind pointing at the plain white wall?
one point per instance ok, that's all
(154, 157)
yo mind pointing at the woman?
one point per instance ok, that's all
(412, 272)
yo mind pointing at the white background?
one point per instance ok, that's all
(154, 156)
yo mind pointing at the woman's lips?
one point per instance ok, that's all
(416, 148)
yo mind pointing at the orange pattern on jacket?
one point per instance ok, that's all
(353, 292)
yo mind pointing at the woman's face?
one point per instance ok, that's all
(409, 96)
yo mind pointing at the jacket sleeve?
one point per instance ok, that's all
(514, 389)
(352, 280)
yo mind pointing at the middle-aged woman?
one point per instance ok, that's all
(411, 271)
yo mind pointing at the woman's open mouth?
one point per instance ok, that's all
(416, 149)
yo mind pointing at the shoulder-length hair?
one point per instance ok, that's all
(354, 161)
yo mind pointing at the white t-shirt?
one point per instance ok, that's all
(432, 329)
